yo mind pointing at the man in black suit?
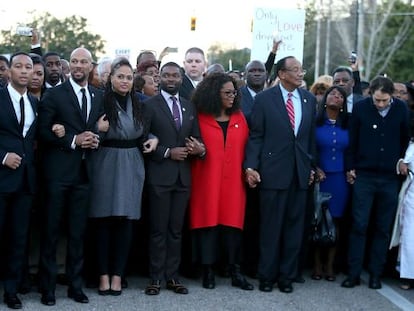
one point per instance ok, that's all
(344, 77)
(173, 120)
(255, 73)
(76, 106)
(194, 68)
(18, 121)
(279, 156)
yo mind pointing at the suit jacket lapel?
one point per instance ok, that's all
(166, 110)
(33, 103)
(10, 108)
(71, 94)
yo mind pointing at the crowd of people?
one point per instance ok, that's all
(221, 167)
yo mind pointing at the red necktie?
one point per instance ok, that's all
(290, 110)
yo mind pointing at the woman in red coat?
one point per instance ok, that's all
(217, 203)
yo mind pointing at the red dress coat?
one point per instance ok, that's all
(217, 181)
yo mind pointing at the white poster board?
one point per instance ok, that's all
(271, 24)
(123, 52)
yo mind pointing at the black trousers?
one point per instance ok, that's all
(69, 203)
(374, 199)
(113, 241)
(282, 217)
(15, 209)
(220, 242)
(167, 206)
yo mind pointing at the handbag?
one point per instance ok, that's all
(324, 229)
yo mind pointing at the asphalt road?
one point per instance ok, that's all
(311, 295)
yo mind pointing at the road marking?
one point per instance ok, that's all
(392, 295)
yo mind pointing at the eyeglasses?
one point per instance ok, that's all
(296, 70)
(230, 93)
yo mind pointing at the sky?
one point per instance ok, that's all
(138, 25)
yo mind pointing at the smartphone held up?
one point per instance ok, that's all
(24, 31)
(353, 57)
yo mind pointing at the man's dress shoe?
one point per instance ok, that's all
(374, 282)
(266, 286)
(285, 286)
(12, 301)
(351, 282)
(48, 299)
(78, 296)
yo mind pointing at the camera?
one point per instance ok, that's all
(353, 57)
(24, 31)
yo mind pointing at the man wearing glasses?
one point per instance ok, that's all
(279, 156)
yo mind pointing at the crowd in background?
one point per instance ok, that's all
(195, 171)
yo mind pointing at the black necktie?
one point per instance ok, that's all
(84, 106)
(21, 113)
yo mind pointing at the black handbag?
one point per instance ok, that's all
(324, 230)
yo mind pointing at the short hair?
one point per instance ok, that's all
(171, 64)
(102, 63)
(383, 84)
(145, 52)
(37, 59)
(5, 59)
(50, 54)
(142, 67)
(17, 54)
(207, 97)
(343, 69)
(281, 64)
(195, 50)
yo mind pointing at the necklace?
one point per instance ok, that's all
(332, 121)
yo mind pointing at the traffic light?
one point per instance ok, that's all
(193, 23)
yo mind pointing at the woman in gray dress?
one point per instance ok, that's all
(118, 175)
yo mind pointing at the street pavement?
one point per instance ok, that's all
(311, 295)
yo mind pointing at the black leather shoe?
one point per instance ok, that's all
(266, 286)
(209, 281)
(351, 282)
(241, 282)
(177, 287)
(48, 299)
(78, 296)
(12, 301)
(299, 279)
(374, 282)
(285, 286)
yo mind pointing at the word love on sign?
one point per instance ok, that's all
(274, 24)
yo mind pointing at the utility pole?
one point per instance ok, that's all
(360, 43)
(318, 42)
(328, 39)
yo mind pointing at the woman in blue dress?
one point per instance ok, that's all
(331, 139)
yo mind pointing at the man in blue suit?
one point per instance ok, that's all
(255, 82)
(18, 118)
(279, 156)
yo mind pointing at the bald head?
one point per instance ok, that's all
(80, 65)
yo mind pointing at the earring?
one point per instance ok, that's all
(341, 110)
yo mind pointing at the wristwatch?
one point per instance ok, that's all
(167, 153)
